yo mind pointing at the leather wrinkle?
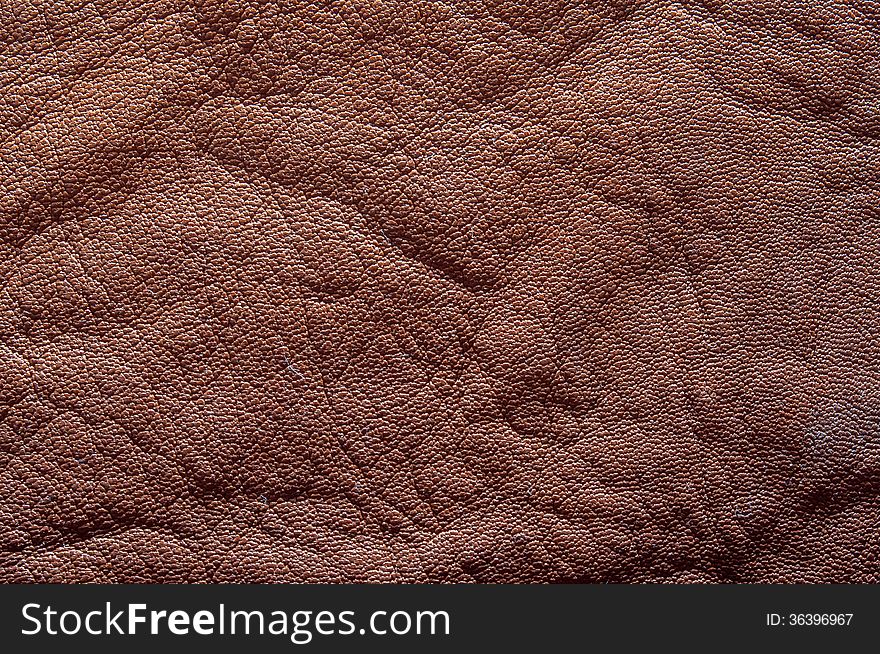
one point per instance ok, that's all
(422, 291)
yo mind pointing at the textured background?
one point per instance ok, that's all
(439, 291)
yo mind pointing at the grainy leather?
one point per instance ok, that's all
(495, 291)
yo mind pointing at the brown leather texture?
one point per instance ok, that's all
(423, 291)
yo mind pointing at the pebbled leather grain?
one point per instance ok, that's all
(482, 291)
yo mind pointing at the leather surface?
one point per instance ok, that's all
(439, 291)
